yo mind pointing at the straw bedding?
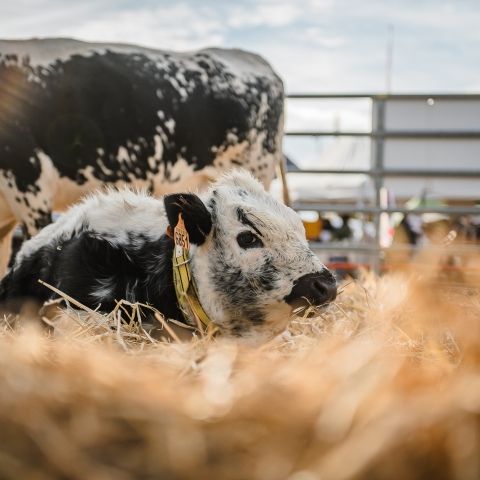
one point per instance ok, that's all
(384, 384)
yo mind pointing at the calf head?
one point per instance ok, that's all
(250, 258)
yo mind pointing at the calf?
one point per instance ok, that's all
(75, 116)
(249, 259)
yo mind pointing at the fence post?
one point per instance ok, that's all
(377, 165)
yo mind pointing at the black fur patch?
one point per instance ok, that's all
(197, 218)
(78, 266)
(243, 218)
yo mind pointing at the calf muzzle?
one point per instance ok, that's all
(314, 289)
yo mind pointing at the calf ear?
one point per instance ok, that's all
(196, 217)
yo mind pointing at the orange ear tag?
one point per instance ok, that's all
(180, 237)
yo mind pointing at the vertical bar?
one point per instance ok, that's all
(378, 127)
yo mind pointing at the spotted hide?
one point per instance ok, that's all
(75, 116)
(249, 257)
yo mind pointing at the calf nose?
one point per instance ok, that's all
(315, 289)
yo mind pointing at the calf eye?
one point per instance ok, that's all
(248, 240)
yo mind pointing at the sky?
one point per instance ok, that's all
(315, 45)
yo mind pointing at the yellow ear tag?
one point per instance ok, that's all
(185, 287)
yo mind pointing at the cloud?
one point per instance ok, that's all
(315, 45)
(168, 25)
(173, 26)
(177, 27)
(19, 19)
(317, 36)
(273, 13)
(269, 14)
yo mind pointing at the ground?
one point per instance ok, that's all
(384, 384)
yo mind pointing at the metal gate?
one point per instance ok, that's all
(444, 128)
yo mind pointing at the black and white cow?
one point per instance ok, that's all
(250, 258)
(75, 116)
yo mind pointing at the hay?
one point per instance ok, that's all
(384, 384)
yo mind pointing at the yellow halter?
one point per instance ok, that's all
(185, 287)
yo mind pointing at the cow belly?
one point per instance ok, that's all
(184, 178)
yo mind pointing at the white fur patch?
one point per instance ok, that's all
(112, 214)
(104, 289)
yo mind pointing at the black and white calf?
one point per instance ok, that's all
(75, 116)
(249, 258)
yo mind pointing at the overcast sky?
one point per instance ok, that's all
(316, 45)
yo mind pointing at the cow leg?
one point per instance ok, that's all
(13, 212)
(7, 227)
(6, 235)
(32, 211)
(29, 188)
(36, 221)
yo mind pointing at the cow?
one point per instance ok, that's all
(249, 258)
(77, 115)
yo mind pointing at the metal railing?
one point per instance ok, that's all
(377, 171)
